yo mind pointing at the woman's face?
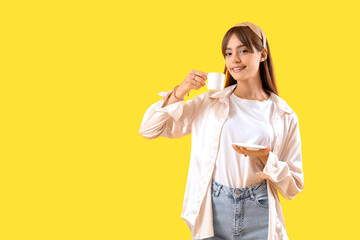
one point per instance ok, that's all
(237, 55)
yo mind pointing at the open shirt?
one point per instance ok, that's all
(203, 116)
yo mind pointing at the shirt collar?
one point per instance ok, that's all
(224, 97)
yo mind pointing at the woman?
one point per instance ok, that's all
(232, 192)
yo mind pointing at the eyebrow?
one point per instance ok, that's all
(236, 47)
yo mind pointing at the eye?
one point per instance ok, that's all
(242, 51)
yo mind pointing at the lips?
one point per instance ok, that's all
(238, 68)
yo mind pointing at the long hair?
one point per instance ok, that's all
(249, 39)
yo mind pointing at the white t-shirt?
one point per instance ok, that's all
(248, 122)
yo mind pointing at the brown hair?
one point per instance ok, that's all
(249, 39)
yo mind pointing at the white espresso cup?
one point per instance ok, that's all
(216, 81)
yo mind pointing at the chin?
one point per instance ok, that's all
(239, 78)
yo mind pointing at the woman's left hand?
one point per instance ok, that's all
(262, 154)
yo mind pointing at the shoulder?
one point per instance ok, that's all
(282, 104)
(284, 107)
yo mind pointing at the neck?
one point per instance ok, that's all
(251, 89)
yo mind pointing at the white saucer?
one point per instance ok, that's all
(249, 146)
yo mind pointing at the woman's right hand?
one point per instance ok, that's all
(194, 80)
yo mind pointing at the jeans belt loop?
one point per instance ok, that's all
(218, 191)
(251, 194)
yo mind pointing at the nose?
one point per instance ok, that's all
(236, 57)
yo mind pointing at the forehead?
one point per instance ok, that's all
(234, 42)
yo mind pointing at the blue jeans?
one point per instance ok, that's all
(240, 213)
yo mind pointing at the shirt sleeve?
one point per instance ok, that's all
(171, 121)
(285, 171)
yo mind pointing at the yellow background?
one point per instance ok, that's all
(77, 77)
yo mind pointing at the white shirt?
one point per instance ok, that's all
(248, 122)
(204, 116)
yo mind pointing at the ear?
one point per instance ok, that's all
(263, 55)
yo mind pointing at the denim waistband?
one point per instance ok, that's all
(239, 192)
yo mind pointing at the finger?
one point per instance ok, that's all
(244, 151)
(266, 150)
(202, 82)
(200, 74)
(196, 85)
(237, 149)
(198, 81)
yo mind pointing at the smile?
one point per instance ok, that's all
(238, 69)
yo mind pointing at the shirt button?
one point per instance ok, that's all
(237, 191)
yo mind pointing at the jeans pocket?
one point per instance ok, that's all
(262, 200)
(215, 192)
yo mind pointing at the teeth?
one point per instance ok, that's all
(238, 68)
